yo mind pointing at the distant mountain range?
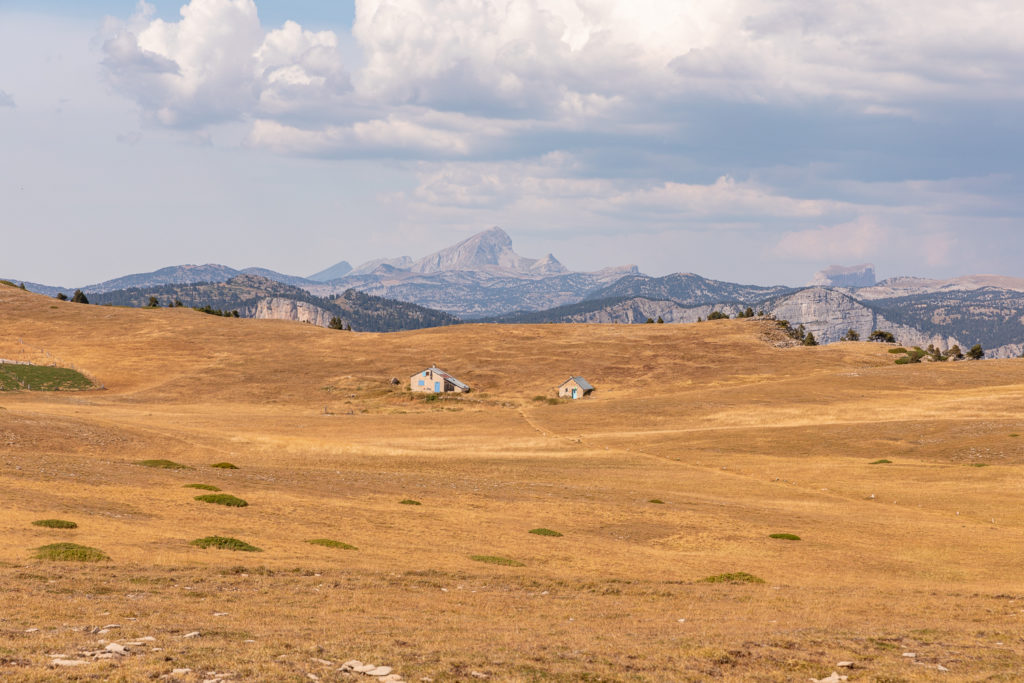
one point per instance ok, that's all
(483, 278)
(255, 296)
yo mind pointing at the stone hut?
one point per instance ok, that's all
(575, 387)
(436, 381)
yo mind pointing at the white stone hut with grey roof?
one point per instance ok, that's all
(574, 388)
(434, 380)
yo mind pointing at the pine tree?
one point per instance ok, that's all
(79, 297)
(809, 340)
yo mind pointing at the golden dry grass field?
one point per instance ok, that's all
(739, 439)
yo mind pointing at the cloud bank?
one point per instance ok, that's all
(816, 123)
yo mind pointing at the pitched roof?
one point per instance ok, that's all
(584, 384)
(439, 371)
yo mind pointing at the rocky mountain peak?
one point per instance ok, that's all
(487, 250)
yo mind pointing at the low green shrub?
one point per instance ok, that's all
(409, 501)
(224, 466)
(163, 464)
(656, 501)
(544, 532)
(329, 543)
(204, 487)
(223, 499)
(734, 577)
(785, 537)
(70, 552)
(883, 461)
(55, 524)
(978, 464)
(225, 543)
(898, 349)
(496, 559)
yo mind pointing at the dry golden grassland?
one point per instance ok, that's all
(738, 439)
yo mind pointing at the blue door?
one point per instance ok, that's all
(574, 393)
(437, 386)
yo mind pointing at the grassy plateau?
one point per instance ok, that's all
(701, 443)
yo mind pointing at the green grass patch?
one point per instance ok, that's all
(734, 577)
(329, 543)
(224, 466)
(1014, 435)
(225, 543)
(496, 559)
(409, 501)
(204, 487)
(656, 501)
(544, 532)
(163, 464)
(223, 499)
(978, 464)
(70, 552)
(42, 378)
(898, 349)
(883, 461)
(785, 537)
(55, 524)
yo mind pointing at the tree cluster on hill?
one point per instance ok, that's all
(935, 354)
(216, 311)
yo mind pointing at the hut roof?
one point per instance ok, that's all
(438, 371)
(583, 384)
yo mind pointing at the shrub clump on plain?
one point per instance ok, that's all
(883, 461)
(734, 577)
(330, 543)
(656, 501)
(70, 552)
(409, 501)
(223, 499)
(204, 487)
(785, 537)
(55, 524)
(225, 543)
(163, 464)
(544, 532)
(496, 559)
(224, 466)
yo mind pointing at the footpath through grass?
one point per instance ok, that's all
(41, 378)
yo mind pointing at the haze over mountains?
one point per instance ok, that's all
(484, 278)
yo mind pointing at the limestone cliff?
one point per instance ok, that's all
(275, 308)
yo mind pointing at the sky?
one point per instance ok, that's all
(755, 141)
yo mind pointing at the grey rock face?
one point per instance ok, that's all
(288, 309)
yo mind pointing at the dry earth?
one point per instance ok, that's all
(738, 438)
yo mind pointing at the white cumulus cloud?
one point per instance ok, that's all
(219, 64)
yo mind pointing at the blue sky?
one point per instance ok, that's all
(742, 140)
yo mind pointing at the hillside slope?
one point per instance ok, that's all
(666, 487)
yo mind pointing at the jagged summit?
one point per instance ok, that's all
(487, 250)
